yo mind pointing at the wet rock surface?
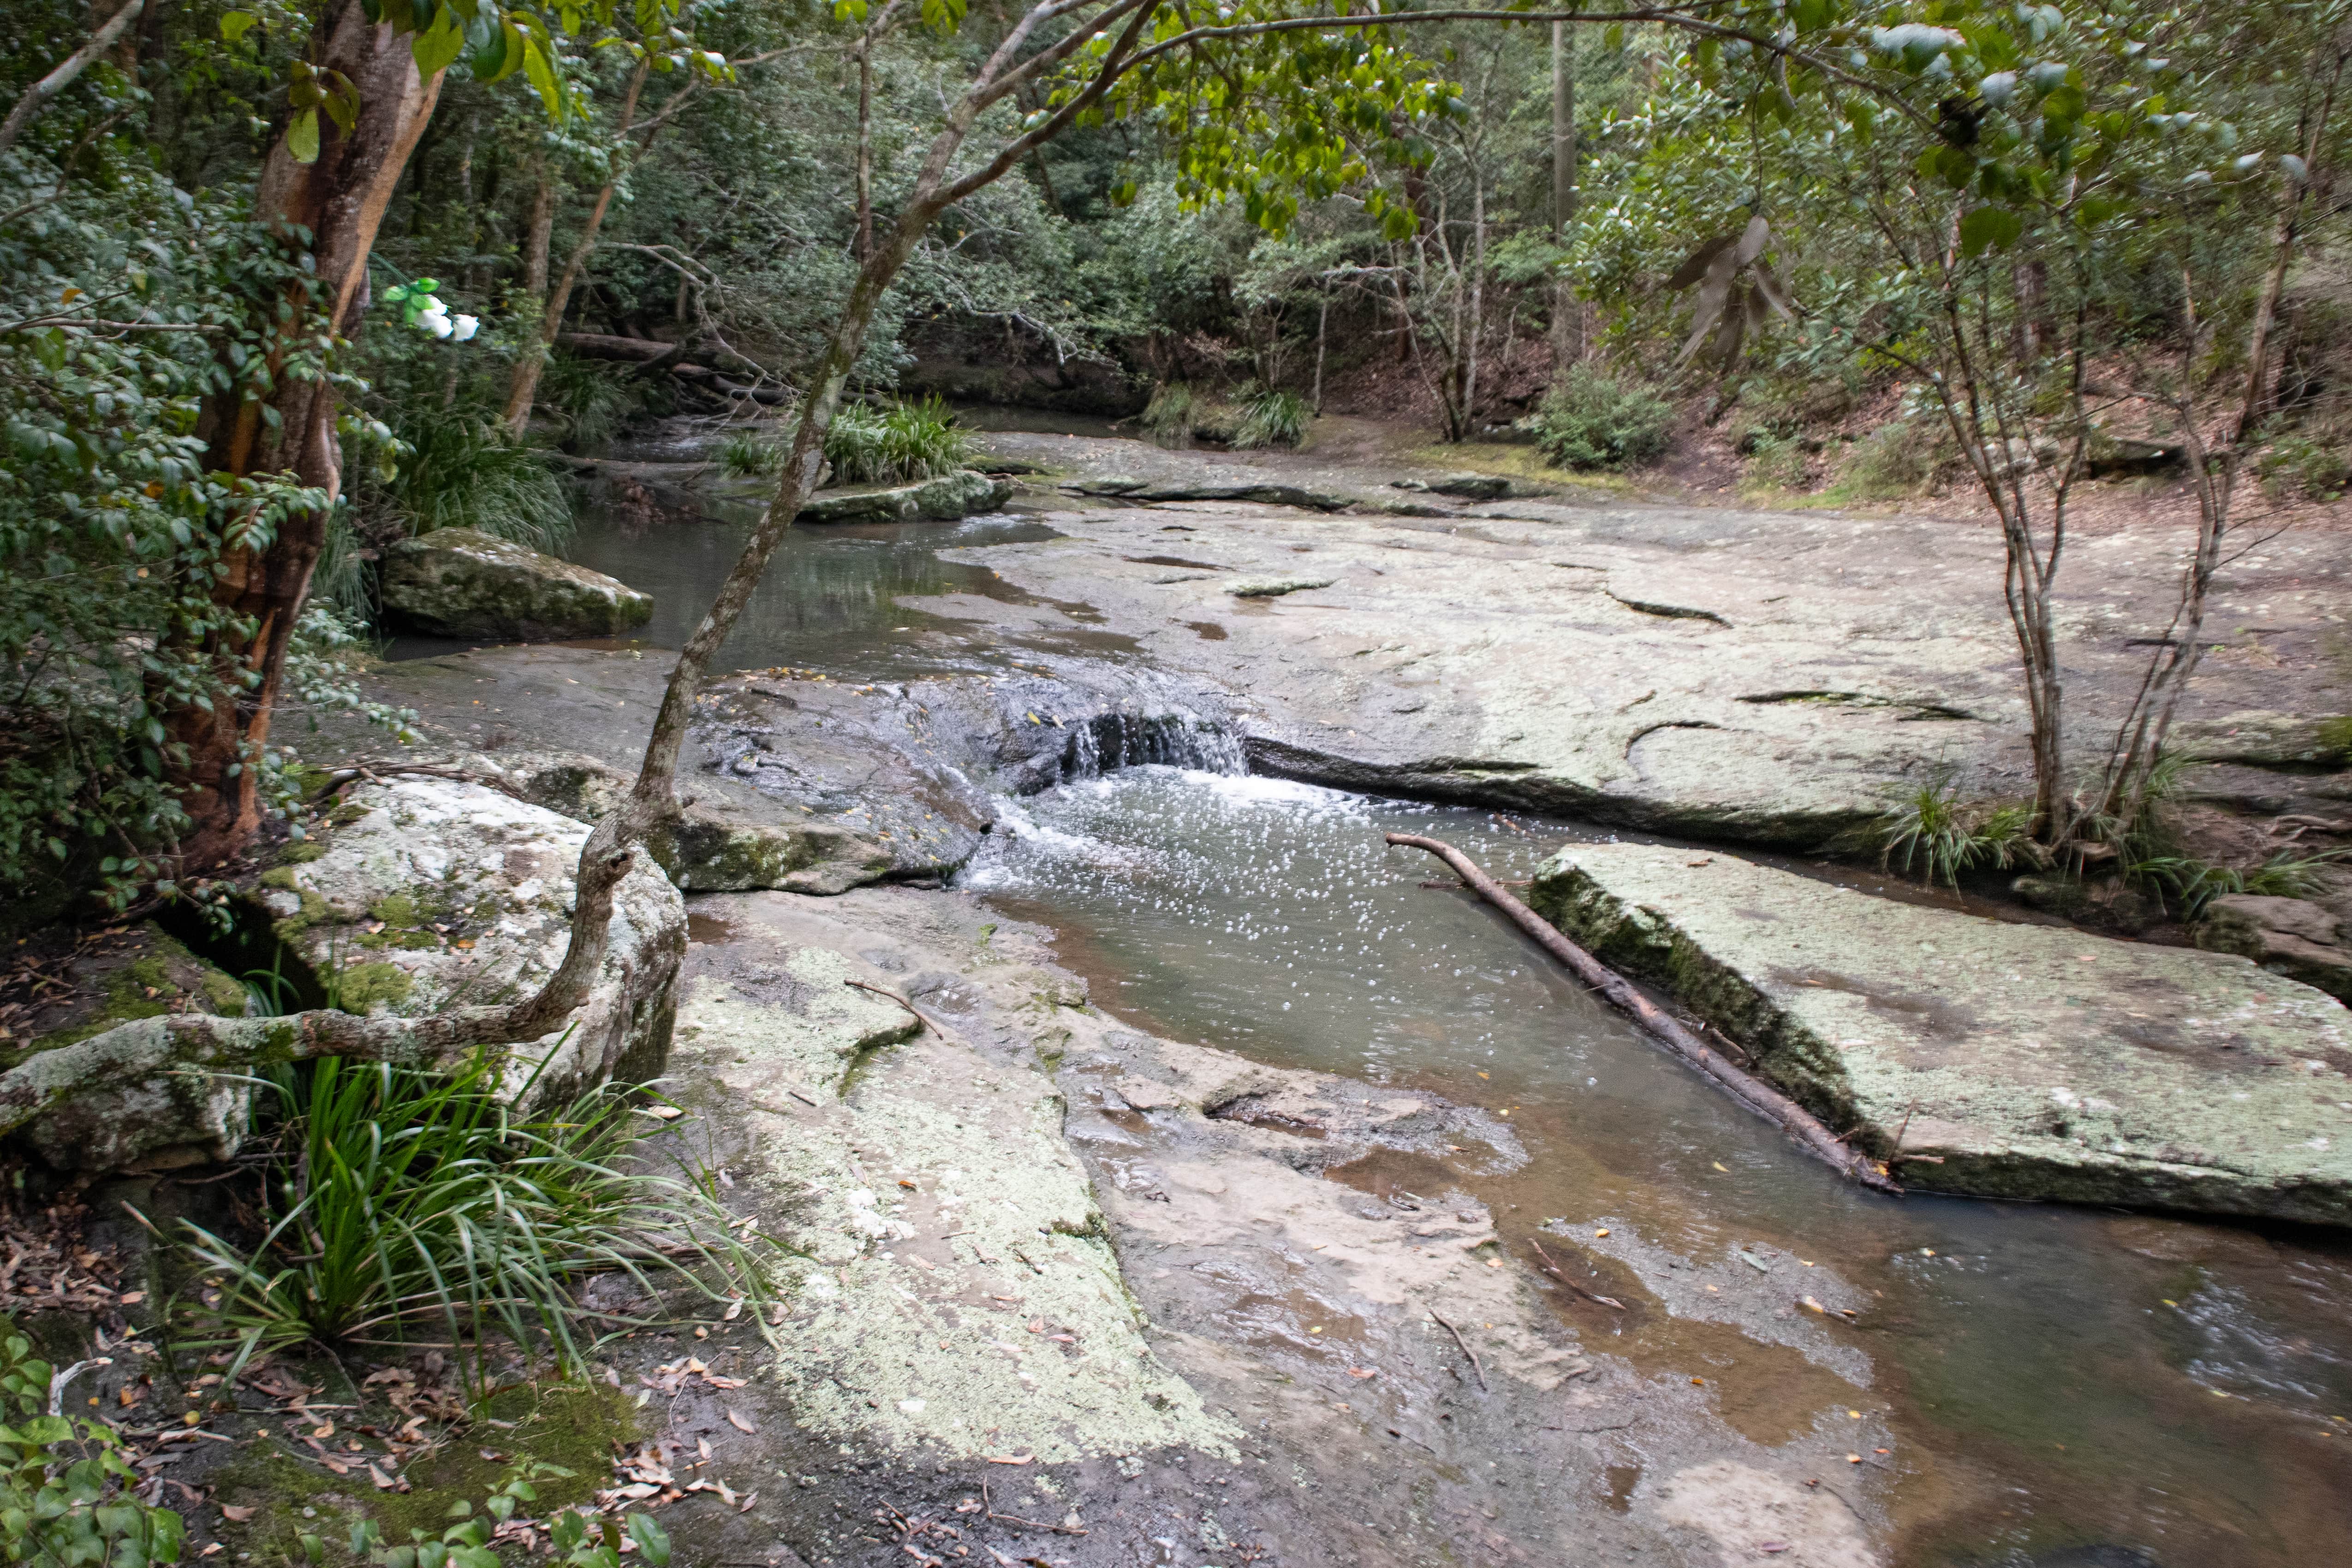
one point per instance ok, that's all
(1126, 1286)
(792, 778)
(1984, 1057)
(1778, 680)
(460, 582)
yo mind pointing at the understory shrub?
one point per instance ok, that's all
(1167, 417)
(898, 443)
(1940, 834)
(746, 452)
(1590, 420)
(2317, 467)
(1899, 460)
(66, 1481)
(1271, 418)
(394, 1201)
(466, 472)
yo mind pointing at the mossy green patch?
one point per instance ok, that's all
(396, 909)
(362, 985)
(279, 876)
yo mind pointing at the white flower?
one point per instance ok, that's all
(435, 322)
(467, 326)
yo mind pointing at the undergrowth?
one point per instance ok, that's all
(2189, 884)
(747, 452)
(1941, 837)
(1271, 418)
(898, 443)
(395, 1202)
(463, 472)
(66, 1482)
(1167, 417)
(1592, 420)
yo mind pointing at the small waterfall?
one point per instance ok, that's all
(1177, 738)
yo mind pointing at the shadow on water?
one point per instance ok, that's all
(2062, 1386)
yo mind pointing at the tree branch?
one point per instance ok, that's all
(63, 75)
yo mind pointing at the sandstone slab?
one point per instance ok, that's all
(1981, 1057)
(461, 582)
(946, 498)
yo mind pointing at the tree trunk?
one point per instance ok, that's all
(522, 391)
(1477, 308)
(1322, 333)
(1567, 309)
(542, 236)
(340, 199)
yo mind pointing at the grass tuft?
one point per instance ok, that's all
(1937, 832)
(747, 452)
(396, 1202)
(1270, 419)
(898, 443)
(466, 473)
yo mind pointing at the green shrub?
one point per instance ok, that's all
(747, 452)
(64, 1481)
(1589, 420)
(1271, 418)
(896, 443)
(1167, 417)
(2321, 469)
(1899, 460)
(395, 1200)
(1777, 461)
(469, 473)
(1935, 832)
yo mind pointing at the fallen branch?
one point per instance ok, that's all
(1553, 1269)
(1753, 1092)
(1458, 1339)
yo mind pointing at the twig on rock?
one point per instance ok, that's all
(1458, 1339)
(1752, 1093)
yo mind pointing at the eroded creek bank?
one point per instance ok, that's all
(1312, 1109)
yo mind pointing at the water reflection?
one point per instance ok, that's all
(2061, 1381)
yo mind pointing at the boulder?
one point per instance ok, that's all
(461, 582)
(947, 499)
(1976, 1056)
(2293, 937)
(433, 893)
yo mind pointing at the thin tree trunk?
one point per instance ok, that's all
(522, 390)
(1567, 309)
(540, 237)
(63, 75)
(866, 148)
(339, 198)
(1477, 306)
(1322, 325)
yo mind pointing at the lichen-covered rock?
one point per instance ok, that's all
(947, 499)
(2293, 937)
(1981, 1057)
(434, 893)
(110, 978)
(460, 582)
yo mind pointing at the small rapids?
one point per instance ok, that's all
(2065, 1385)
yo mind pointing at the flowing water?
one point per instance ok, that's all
(2061, 1385)
(2057, 1380)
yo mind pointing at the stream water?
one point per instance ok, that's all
(2062, 1386)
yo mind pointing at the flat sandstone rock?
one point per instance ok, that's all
(2010, 1060)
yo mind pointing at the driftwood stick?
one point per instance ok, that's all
(1753, 1092)
(1458, 1339)
(1552, 1269)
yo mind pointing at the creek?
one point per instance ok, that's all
(2051, 1385)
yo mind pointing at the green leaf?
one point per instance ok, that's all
(303, 137)
(235, 24)
(1994, 228)
(541, 74)
(438, 48)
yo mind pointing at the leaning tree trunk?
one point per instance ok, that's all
(522, 389)
(289, 427)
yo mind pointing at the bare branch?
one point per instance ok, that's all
(63, 75)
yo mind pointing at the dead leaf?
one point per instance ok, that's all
(236, 1515)
(739, 1422)
(383, 1483)
(1364, 1372)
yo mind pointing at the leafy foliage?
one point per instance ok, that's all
(898, 443)
(398, 1200)
(1592, 420)
(1271, 418)
(580, 1542)
(66, 1482)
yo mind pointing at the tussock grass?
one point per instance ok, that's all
(896, 443)
(396, 1204)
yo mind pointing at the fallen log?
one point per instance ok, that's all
(1753, 1092)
